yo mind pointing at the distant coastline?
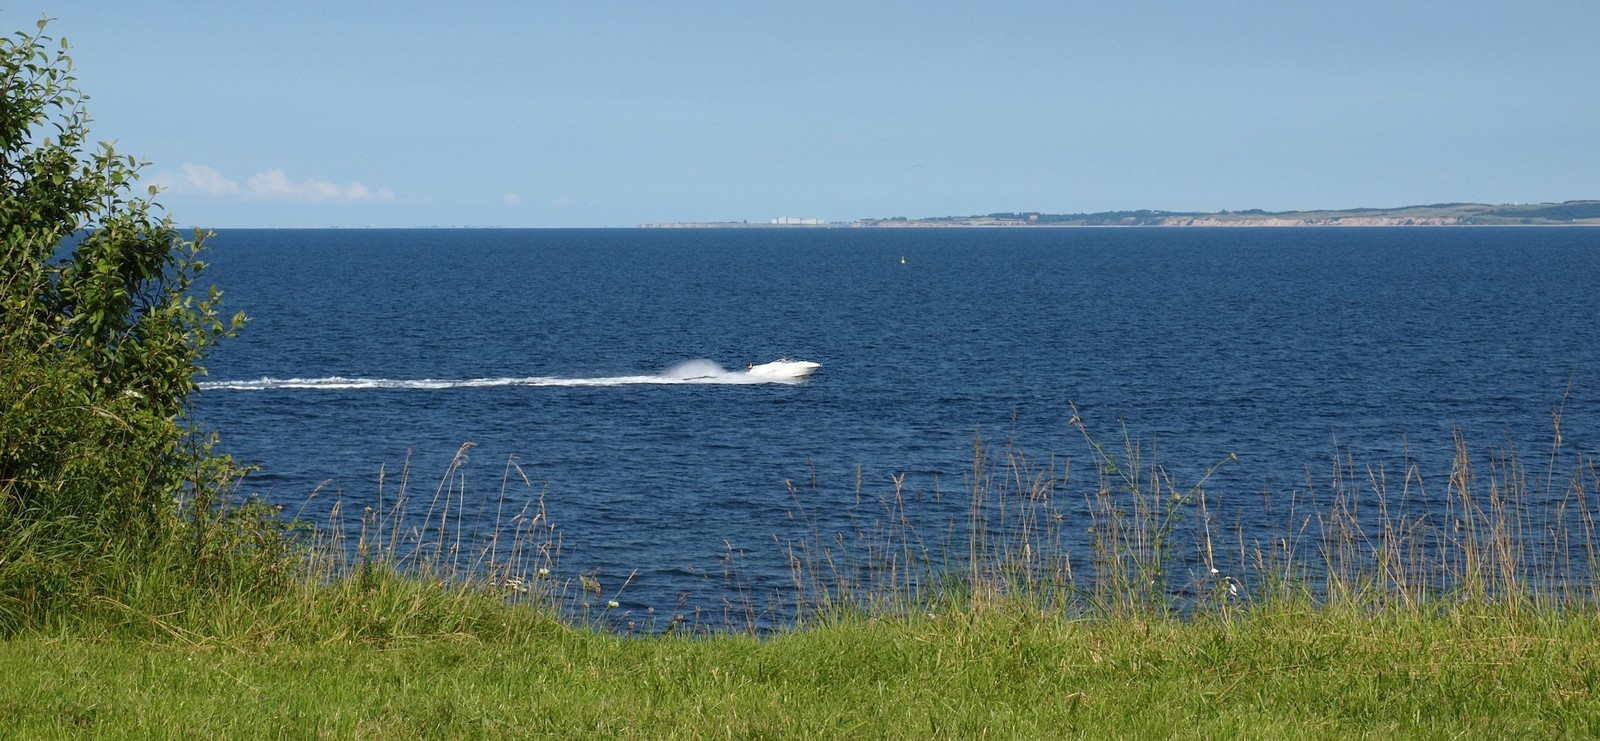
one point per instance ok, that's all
(1566, 213)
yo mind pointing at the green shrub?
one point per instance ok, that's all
(100, 341)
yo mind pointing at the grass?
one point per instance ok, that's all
(1013, 673)
(1386, 605)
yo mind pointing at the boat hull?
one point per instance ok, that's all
(784, 369)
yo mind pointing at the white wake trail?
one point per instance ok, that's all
(694, 372)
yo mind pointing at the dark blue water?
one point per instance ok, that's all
(1283, 346)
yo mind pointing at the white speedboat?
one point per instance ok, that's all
(784, 368)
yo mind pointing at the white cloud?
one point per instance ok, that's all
(276, 185)
(511, 199)
(271, 186)
(205, 181)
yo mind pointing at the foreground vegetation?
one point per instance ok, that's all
(139, 595)
(1006, 673)
(1414, 631)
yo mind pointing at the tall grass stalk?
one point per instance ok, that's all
(1128, 542)
(1134, 543)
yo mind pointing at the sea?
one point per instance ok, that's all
(597, 377)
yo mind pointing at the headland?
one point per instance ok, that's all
(1565, 213)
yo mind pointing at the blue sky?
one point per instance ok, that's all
(596, 113)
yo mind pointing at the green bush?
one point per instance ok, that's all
(100, 341)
